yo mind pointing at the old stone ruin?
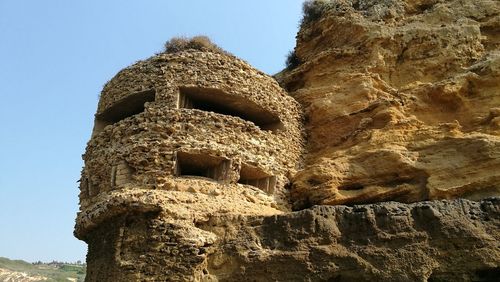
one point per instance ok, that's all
(375, 156)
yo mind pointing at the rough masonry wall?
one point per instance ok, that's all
(147, 142)
(179, 138)
(401, 101)
(142, 247)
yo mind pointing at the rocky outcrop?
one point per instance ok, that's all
(197, 159)
(428, 241)
(401, 99)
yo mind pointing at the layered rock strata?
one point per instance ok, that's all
(401, 100)
(427, 241)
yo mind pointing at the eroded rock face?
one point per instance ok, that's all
(427, 241)
(401, 100)
(188, 170)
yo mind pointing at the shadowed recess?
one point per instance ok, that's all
(217, 101)
(131, 105)
(202, 165)
(254, 176)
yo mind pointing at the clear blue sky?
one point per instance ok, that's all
(55, 56)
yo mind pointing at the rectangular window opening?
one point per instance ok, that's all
(87, 187)
(121, 174)
(201, 165)
(84, 187)
(254, 176)
(131, 105)
(217, 101)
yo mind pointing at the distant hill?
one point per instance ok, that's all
(21, 271)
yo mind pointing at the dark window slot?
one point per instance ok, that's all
(131, 105)
(217, 101)
(201, 165)
(251, 175)
(87, 187)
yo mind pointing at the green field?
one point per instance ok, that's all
(53, 271)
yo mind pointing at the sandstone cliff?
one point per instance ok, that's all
(401, 98)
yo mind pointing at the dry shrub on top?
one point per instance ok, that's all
(202, 43)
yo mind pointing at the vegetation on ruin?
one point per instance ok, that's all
(201, 43)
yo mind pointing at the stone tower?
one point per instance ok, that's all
(178, 138)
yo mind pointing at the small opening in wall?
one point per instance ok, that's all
(84, 187)
(256, 177)
(121, 174)
(218, 101)
(131, 105)
(201, 165)
(88, 188)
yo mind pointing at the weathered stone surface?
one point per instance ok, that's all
(196, 158)
(179, 138)
(428, 241)
(401, 100)
(153, 115)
